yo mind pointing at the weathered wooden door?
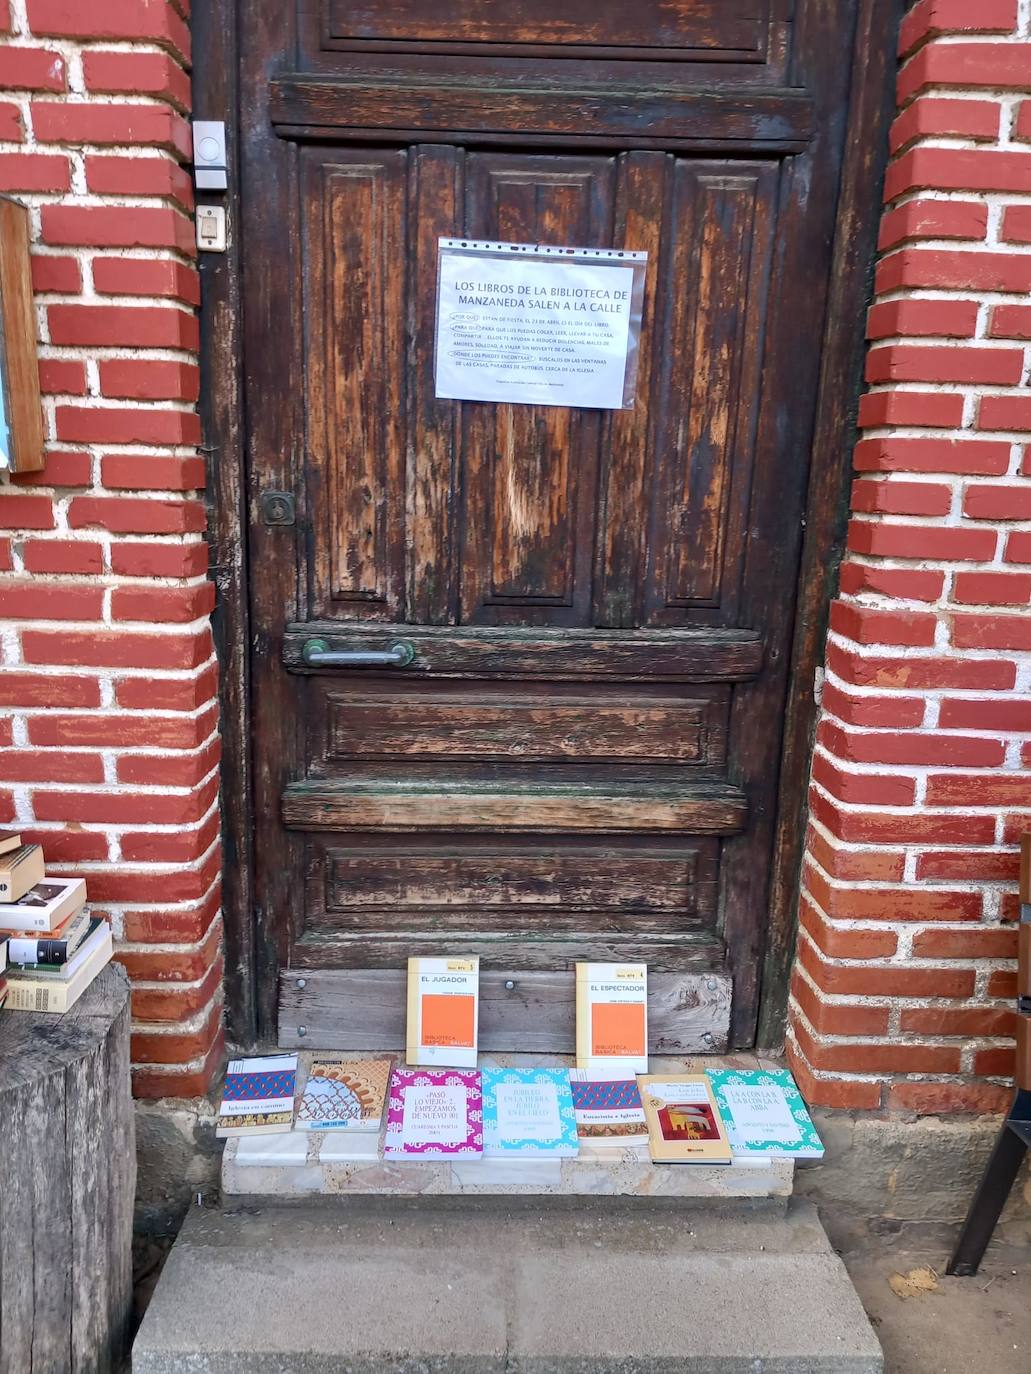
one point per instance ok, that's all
(581, 759)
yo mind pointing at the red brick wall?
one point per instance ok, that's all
(921, 778)
(108, 718)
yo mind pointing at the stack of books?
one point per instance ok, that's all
(52, 947)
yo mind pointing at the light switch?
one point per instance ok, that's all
(211, 228)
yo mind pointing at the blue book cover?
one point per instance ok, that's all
(764, 1114)
(528, 1112)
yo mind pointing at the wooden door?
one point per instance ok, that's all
(580, 761)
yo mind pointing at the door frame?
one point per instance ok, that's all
(251, 985)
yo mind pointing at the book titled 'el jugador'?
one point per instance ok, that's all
(612, 1019)
(443, 1011)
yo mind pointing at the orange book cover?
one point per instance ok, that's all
(443, 1011)
(612, 1019)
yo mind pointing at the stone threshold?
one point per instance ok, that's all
(302, 1163)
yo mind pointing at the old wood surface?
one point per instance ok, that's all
(365, 1010)
(23, 411)
(67, 1185)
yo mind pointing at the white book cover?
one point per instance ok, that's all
(44, 906)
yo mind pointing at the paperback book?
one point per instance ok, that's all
(528, 1113)
(434, 1114)
(344, 1095)
(44, 952)
(258, 1097)
(612, 1019)
(9, 841)
(443, 1011)
(684, 1123)
(43, 907)
(609, 1114)
(764, 1114)
(60, 990)
(20, 869)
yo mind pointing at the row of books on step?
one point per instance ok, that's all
(722, 1116)
(51, 948)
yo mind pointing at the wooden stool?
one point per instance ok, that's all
(1015, 1136)
(67, 1180)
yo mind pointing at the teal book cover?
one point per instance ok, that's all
(528, 1112)
(764, 1114)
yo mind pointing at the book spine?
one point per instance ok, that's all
(30, 951)
(29, 995)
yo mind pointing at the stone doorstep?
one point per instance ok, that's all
(301, 1163)
(504, 1286)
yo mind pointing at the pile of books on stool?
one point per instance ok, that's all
(51, 948)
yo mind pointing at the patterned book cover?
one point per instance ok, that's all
(434, 1114)
(528, 1112)
(764, 1114)
(258, 1097)
(344, 1095)
(608, 1111)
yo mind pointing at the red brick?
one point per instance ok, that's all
(129, 808)
(847, 1095)
(958, 169)
(173, 966)
(991, 631)
(164, 1047)
(114, 326)
(11, 128)
(992, 589)
(901, 498)
(997, 503)
(40, 765)
(62, 556)
(987, 866)
(944, 318)
(183, 846)
(126, 425)
(929, 18)
(945, 269)
(69, 846)
(996, 66)
(999, 1061)
(42, 601)
(162, 927)
(159, 560)
(137, 73)
(32, 69)
(173, 1002)
(921, 409)
(1022, 127)
(928, 363)
(127, 226)
(62, 377)
(19, 512)
(51, 272)
(190, 1081)
(61, 469)
(1018, 547)
(1003, 983)
(982, 457)
(160, 604)
(135, 515)
(839, 943)
(146, 277)
(860, 1057)
(117, 649)
(1016, 222)
(145, 20)
(953, 1021)
(1011, 714)
(873, 711)
(938, 117)
(949, 1097)
(147, 379)
(140, 176)
(905, 584)
(186, 883)
(985, 942)
(76, 123)
(887, 980)
(34, 171)
(158, 770)
(111, 730)
(916, 674)
(49, 689)
(837, 1018)
(911, 747)
(933, 219)
(867, 626)
(5, 555)
(858, 789)
(863, 865)
(168, 696)
(922, 541)
(1004, 412)
(1010, 321)
(892, 903)
(901, 827)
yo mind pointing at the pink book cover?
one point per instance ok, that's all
(434, 1114)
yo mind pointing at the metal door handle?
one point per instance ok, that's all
(317, 654)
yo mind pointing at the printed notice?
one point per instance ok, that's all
(538, 326)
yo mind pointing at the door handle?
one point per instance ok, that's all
(317, 654)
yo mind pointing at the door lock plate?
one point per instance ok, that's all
(277, 508)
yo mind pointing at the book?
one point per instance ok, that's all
(29, 992)
(50, 951)
(258, 1096)
(612, 1019)
(44, 906)
(609, 1114)
(443, 1011)
(434, 1114)
(344, 1095)
(8, 841)
(764, 1114)
(684, 1122)
(98, 931)
(20, 869)
(528, 1113)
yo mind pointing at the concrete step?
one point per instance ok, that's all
(519, 1286)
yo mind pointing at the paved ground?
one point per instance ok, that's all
(980, 1325)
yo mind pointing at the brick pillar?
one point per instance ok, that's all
(108, 679)
(921, 778)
